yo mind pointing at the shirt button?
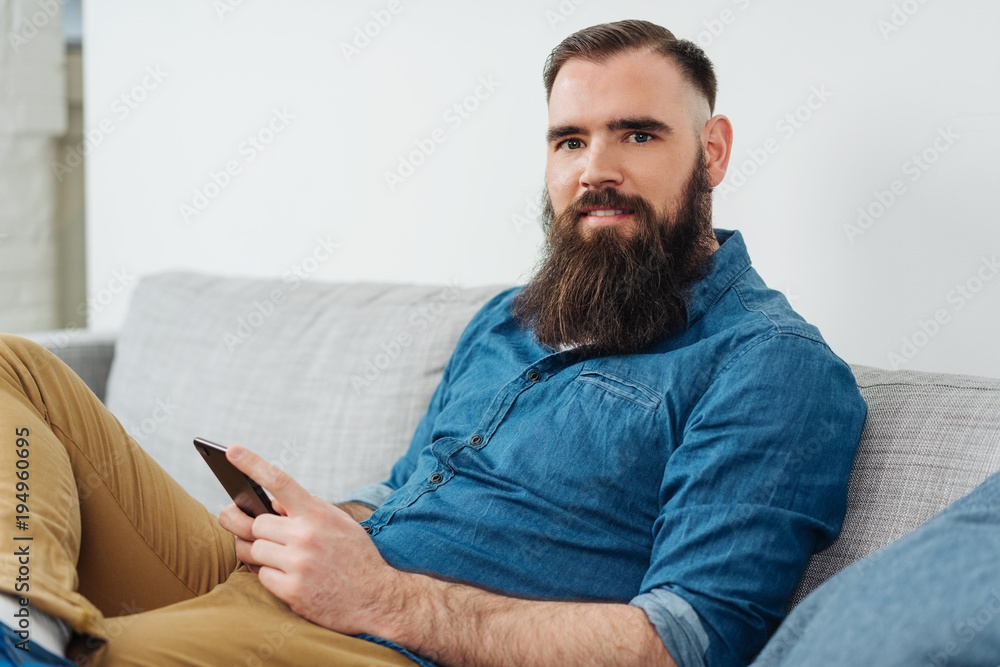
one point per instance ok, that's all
(476, 439)
(534, 376)
(368, 529)
(436, 478)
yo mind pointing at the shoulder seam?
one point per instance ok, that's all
(775, 333)
(777, 328)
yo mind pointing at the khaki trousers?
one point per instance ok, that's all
(96, 533)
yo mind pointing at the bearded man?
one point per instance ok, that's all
(627, 462)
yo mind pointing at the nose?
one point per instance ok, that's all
(601, 169)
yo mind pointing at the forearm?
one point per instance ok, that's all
(317, 559)
(357, 511)
(454, 624)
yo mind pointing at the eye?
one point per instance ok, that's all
(640, 137)
(571, 144)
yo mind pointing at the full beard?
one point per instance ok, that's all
(617, 294)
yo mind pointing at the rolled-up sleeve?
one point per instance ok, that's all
(757, 485)
(372, 495)
(678, 625)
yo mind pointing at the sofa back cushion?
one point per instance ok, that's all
(929, 439)
(327, 381)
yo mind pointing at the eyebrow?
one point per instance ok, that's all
(642, 123)
(639, 123)
(557, 133)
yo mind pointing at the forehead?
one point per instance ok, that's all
(627, 85)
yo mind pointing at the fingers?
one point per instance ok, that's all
(259, 541)
(236, 522)
(248, 531)
(240, 525)
(243, 548)
(285, 490)
(269, 554)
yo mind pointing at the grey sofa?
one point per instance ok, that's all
(328, 381)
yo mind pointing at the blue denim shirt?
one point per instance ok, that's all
(692, 480)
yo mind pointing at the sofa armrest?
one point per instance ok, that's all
(89, 354)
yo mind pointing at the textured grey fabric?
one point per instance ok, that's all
(328, 381)
(88, 354)
(929, 439)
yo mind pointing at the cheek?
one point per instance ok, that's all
(561, 184)
(663, 192)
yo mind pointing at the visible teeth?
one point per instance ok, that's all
(605, 212)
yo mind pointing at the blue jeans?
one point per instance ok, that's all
(928, 600)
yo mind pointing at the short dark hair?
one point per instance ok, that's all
(600, 42)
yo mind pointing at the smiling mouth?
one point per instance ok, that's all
(606, 212)
(606, 216)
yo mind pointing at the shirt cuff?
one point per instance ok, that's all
(678, 625)
(372, 495)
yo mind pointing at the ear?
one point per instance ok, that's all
(717, 140)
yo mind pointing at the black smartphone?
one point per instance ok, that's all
(246, 493)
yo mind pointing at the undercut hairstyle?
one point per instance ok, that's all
(600, 42)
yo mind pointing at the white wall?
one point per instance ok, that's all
(199, 80)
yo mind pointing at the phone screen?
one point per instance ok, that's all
(246, 493)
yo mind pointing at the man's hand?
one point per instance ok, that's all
(314, 556)
(317, 559)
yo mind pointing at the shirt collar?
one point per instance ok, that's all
(729, 262)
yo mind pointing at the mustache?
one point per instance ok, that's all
(608, 198)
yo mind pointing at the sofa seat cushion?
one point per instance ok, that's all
(327, 381)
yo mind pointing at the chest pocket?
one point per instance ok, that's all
(621, 387)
